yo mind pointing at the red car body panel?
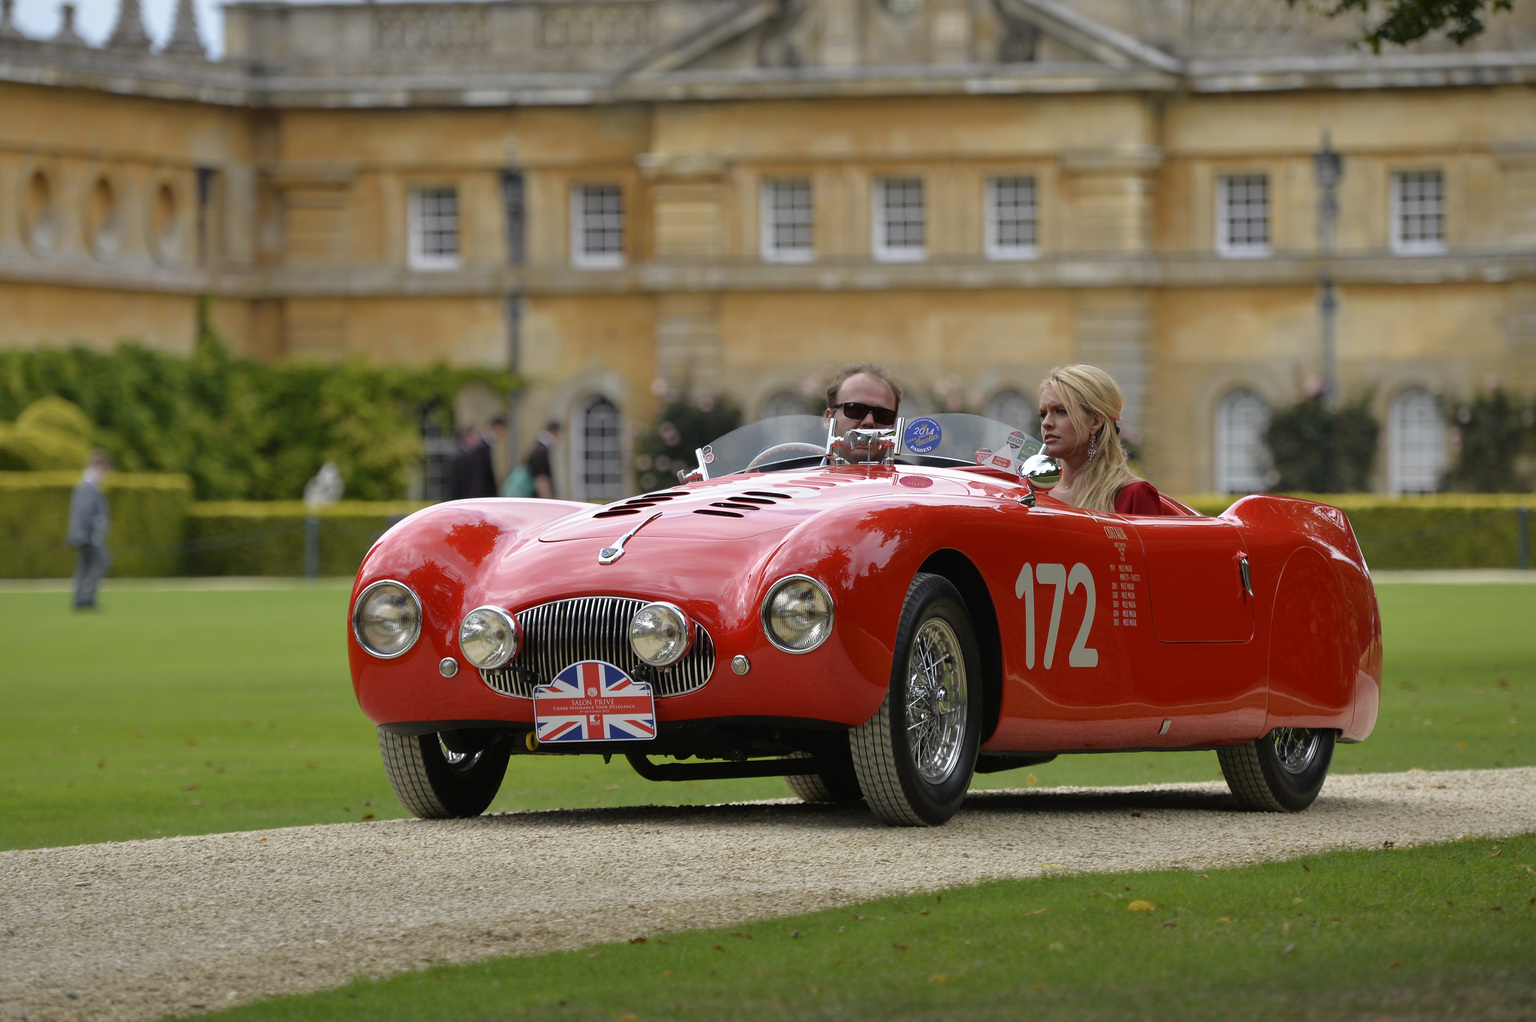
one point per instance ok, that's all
(1106, 631)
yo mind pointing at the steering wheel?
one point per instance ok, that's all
(796, 446)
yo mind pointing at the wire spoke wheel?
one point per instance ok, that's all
(1281, 772)
(914, 758)
(1295, 748)
(936, 701)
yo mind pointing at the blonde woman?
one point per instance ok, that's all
(1080, 408)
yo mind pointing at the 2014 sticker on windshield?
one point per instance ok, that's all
(923, 435)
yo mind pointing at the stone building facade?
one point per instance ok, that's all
(734, 195)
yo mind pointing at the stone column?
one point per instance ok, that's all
(687, 195)
(1114, 332)
(688, 341)
(1110, 195)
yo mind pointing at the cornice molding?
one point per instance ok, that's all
(1074, 272)
(28, 62)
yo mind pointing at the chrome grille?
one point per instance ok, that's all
(558, 634)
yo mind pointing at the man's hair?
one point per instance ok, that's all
(874, 369)
(498, 423)
(552, 426)
(99, 459)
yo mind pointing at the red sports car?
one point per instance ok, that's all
(876, 616)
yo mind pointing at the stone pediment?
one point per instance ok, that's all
(847, 34)
(650, 38)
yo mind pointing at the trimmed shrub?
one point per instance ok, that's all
(1492, 431)
(50, 433)
(241, 429)
(1443, 530)
(268, 538)
(149, 514)
(1318, 448)
(685, 425)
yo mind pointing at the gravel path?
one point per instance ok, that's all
(143, 929)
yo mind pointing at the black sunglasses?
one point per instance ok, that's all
(856, 410)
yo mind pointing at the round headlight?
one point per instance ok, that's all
(488, 637)
(660, 634)
(386, 619)
(797, 614)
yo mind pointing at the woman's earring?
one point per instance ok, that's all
(1093, 445)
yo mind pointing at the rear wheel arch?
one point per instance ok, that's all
(963, 574)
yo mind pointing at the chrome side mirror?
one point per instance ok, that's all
(1040, 472)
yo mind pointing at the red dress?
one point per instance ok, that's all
(1138, 498)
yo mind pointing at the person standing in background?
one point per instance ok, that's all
(538, 467)
(472, 472)
(89, 519)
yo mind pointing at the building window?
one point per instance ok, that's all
(1418, 212)
(899, 220)
(1415, 443)
(1011, 218)
(788, 227)
(1242, 216)
(597, 454)
(1242, 459)
(434, 229)
(1015, 409)
(597, 226)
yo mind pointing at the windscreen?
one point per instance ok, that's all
(958, 438)
(764, 444)
(945, 438)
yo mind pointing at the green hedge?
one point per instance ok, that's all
(267, 538)
(158, 530)
(149, 519)
(1441, 530)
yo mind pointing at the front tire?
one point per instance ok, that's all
(835, 784)
(1281, 772)
(914, 758)
(441, 775)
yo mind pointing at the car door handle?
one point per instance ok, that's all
(1247, 577)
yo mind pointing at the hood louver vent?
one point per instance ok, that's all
(737, 504)
(635, 505)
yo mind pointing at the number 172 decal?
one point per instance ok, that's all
(1065, 582)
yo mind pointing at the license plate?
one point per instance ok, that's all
(593, 701)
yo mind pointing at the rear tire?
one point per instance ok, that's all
(836, 784)
(914, 758)
(441, 775)
(1281, 772)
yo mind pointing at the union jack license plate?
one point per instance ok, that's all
(593, 701)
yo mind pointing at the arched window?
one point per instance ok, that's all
(1015, 409)
(1416, 443)
(1242, 460)
(597, 456)
(784, 403)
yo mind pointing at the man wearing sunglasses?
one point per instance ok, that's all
(863, 396)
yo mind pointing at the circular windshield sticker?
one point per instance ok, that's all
(922, 435)
(709, 455)
(1015, 441)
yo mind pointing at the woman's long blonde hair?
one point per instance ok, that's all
(1084, 390)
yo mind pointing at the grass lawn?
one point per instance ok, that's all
(188, 712)
(182, 712)
(1439, 932)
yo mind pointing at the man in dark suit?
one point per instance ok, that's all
(89, 519)
(472, 473)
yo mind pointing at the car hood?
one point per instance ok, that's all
(741, 506)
